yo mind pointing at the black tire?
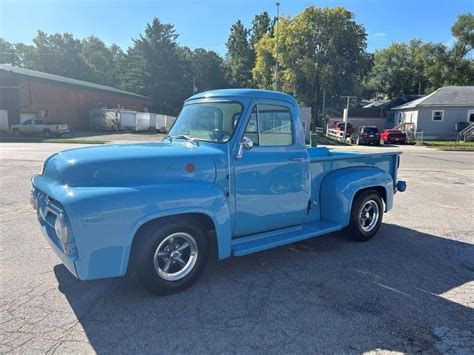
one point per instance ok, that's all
(47, 133)
(142, 259)
(355, 230)
(16, 132)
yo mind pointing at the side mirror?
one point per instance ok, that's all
(246, 144)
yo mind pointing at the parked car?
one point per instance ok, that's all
(365, 135)
(340, 127)
(36, 126)
(393, 136)
(234, 175)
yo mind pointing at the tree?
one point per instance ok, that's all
(101, 60)
(461, 62)
(58, 54)
(261, 25)
(463, 31)
(8, 53)
(420, 68)
(393, 71)
(239, 56)
(208, 70)
(154, 67)
(319, 50)
(263, 71)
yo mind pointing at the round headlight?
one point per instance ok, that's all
(61, 228)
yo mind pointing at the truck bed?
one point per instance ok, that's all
(325, 161)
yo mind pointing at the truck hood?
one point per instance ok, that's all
(133, 164)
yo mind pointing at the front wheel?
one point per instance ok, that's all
(168, 258)
(47, 133)
(366, 216)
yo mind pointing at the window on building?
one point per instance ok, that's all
(270, 125)
(470, 116)
(437, 115)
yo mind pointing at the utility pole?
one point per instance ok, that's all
(195, 89)
(277, 39)
(324, 102)
(346, 115)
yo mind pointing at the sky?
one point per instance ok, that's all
(206, 23)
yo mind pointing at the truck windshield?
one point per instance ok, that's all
(207, 121)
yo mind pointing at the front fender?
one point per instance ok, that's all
(339, 188)
(203, 198)
(104, 220)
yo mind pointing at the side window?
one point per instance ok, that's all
(252, 127)
(27, 122)
(39, 122)
(274, 125)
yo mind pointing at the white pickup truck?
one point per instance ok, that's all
(36, 126)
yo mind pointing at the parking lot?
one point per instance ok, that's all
(410, 289)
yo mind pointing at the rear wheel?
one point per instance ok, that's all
(366, 216)
(169, 257)
(47, 133)
(16, 132)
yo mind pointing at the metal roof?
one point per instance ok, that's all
(445, 96)
(61, 79)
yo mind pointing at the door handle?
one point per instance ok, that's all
(297, 159)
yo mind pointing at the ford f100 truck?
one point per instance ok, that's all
(234, 175)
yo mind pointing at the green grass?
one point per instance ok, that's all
(10, 139)
(450, 145)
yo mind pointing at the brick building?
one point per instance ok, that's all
(55, 98)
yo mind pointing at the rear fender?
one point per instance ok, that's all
(339, 188)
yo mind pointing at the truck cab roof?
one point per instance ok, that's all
(254, 93)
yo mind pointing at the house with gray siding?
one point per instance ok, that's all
(439, 115)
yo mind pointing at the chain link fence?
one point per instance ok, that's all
(422, 136)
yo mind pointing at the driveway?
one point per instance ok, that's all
(410, 289)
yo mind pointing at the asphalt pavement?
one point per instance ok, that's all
(410, 289)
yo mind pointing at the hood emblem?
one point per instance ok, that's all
(190, 168)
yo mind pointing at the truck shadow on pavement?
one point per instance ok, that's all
(403, 291)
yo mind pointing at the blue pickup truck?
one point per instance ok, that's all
(234, 175)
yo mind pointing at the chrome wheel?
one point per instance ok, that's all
(369, 215)
(176, 256)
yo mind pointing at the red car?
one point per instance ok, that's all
(393, 136)
(340, 127)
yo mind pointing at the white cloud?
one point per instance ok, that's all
(378, 34)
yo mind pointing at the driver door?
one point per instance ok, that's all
(27, 126)
(272, 178)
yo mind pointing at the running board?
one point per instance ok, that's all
(263, 241)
